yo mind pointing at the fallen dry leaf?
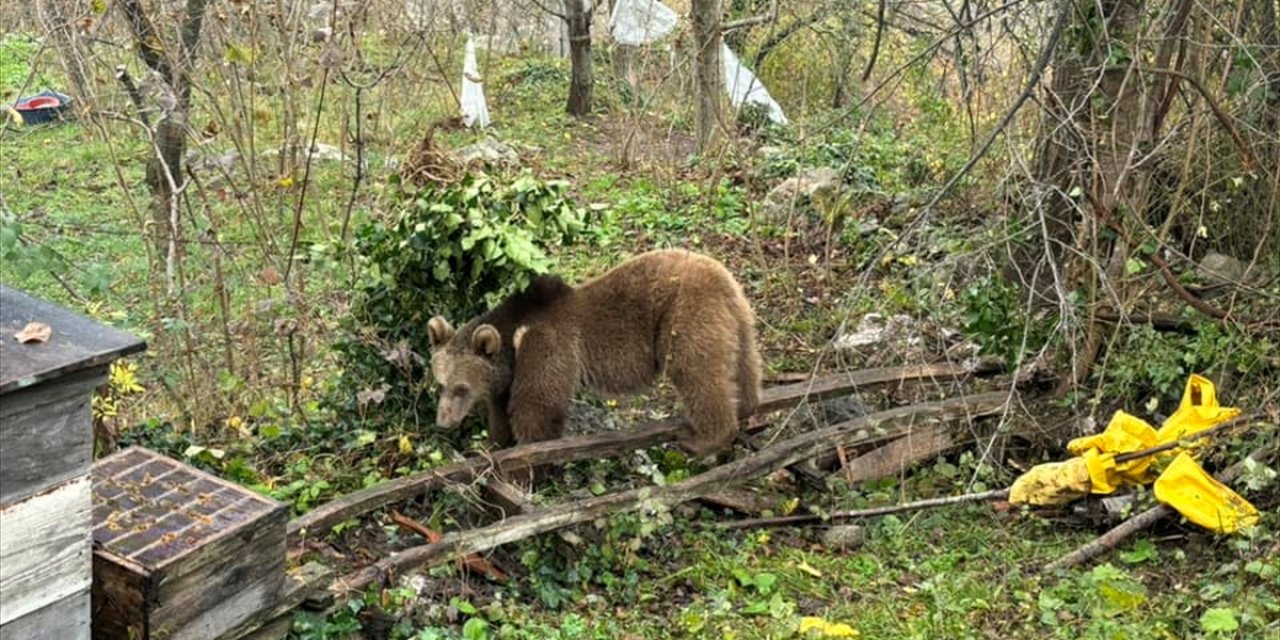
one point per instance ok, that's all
(34, 332)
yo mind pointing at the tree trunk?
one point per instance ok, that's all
(580, 87)
(58, 17)
(843, 64)
(624, 67)
(174, 64)
(706, 37)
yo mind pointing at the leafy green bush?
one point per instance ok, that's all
(994, 318)
(453, 250)
(1150, 363)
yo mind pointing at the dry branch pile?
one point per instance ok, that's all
(524, 520)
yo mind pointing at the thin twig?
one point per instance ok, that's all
(1248, 160)
(931, 503)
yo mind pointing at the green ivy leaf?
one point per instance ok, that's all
(1219, 619)
(1143, 551)
(475, 629)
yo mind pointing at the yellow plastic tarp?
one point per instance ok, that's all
(1199, 410)
(1200, 498)
(1124, 434)
(1183, 485)
(1052, 483)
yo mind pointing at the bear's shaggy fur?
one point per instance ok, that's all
(669, 312)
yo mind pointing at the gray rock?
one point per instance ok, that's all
(818, 190)
(768, 151)
(883, 340)
(200, 162)
(1217, 269)
(845, 537)
(490, 151)
(319, 152)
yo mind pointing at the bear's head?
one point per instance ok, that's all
(464, 365)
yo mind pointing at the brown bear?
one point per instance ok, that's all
(666, 311)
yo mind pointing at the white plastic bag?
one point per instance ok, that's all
(743, 86)
(475, 112)
(637, 22)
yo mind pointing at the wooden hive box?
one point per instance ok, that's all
(46, 447)
(179, 553)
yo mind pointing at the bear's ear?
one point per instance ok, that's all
(518, 337)
(486, 340)
(439, 331)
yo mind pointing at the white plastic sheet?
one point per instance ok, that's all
(475, 112)
(744, 87)
(637, 22)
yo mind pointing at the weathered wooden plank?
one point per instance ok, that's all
(47, 431)
(77, 342)
(66, 619)
(897, 456)
(277, 629)
(272, 623)
(217, 616)
(123, 592)
(236, 576)
(614, 443)
(511, 500)
(744, 500)
(45, 549)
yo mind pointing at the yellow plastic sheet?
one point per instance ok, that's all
(1183, 485)
(1200, 498)
(1124, 434)
(1199, 410)
(1052, 483)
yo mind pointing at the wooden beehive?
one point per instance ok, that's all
(46, 447)
(179, 553)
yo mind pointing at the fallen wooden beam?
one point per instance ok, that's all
(610, 444)
(897, 456)
(511, 500)
(875, 427)
(806, 473)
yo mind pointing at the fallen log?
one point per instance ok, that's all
(604, 445)
(875, 427)
(1111, 539)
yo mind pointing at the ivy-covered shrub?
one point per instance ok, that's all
(453, 250)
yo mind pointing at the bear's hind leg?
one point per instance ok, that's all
(705, 380)
(713, 420)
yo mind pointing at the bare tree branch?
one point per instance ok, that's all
(875, 45)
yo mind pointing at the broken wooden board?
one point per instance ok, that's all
(744, 500)
(610, 444)
(875, 427)
(895, 457)
(511, 500)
